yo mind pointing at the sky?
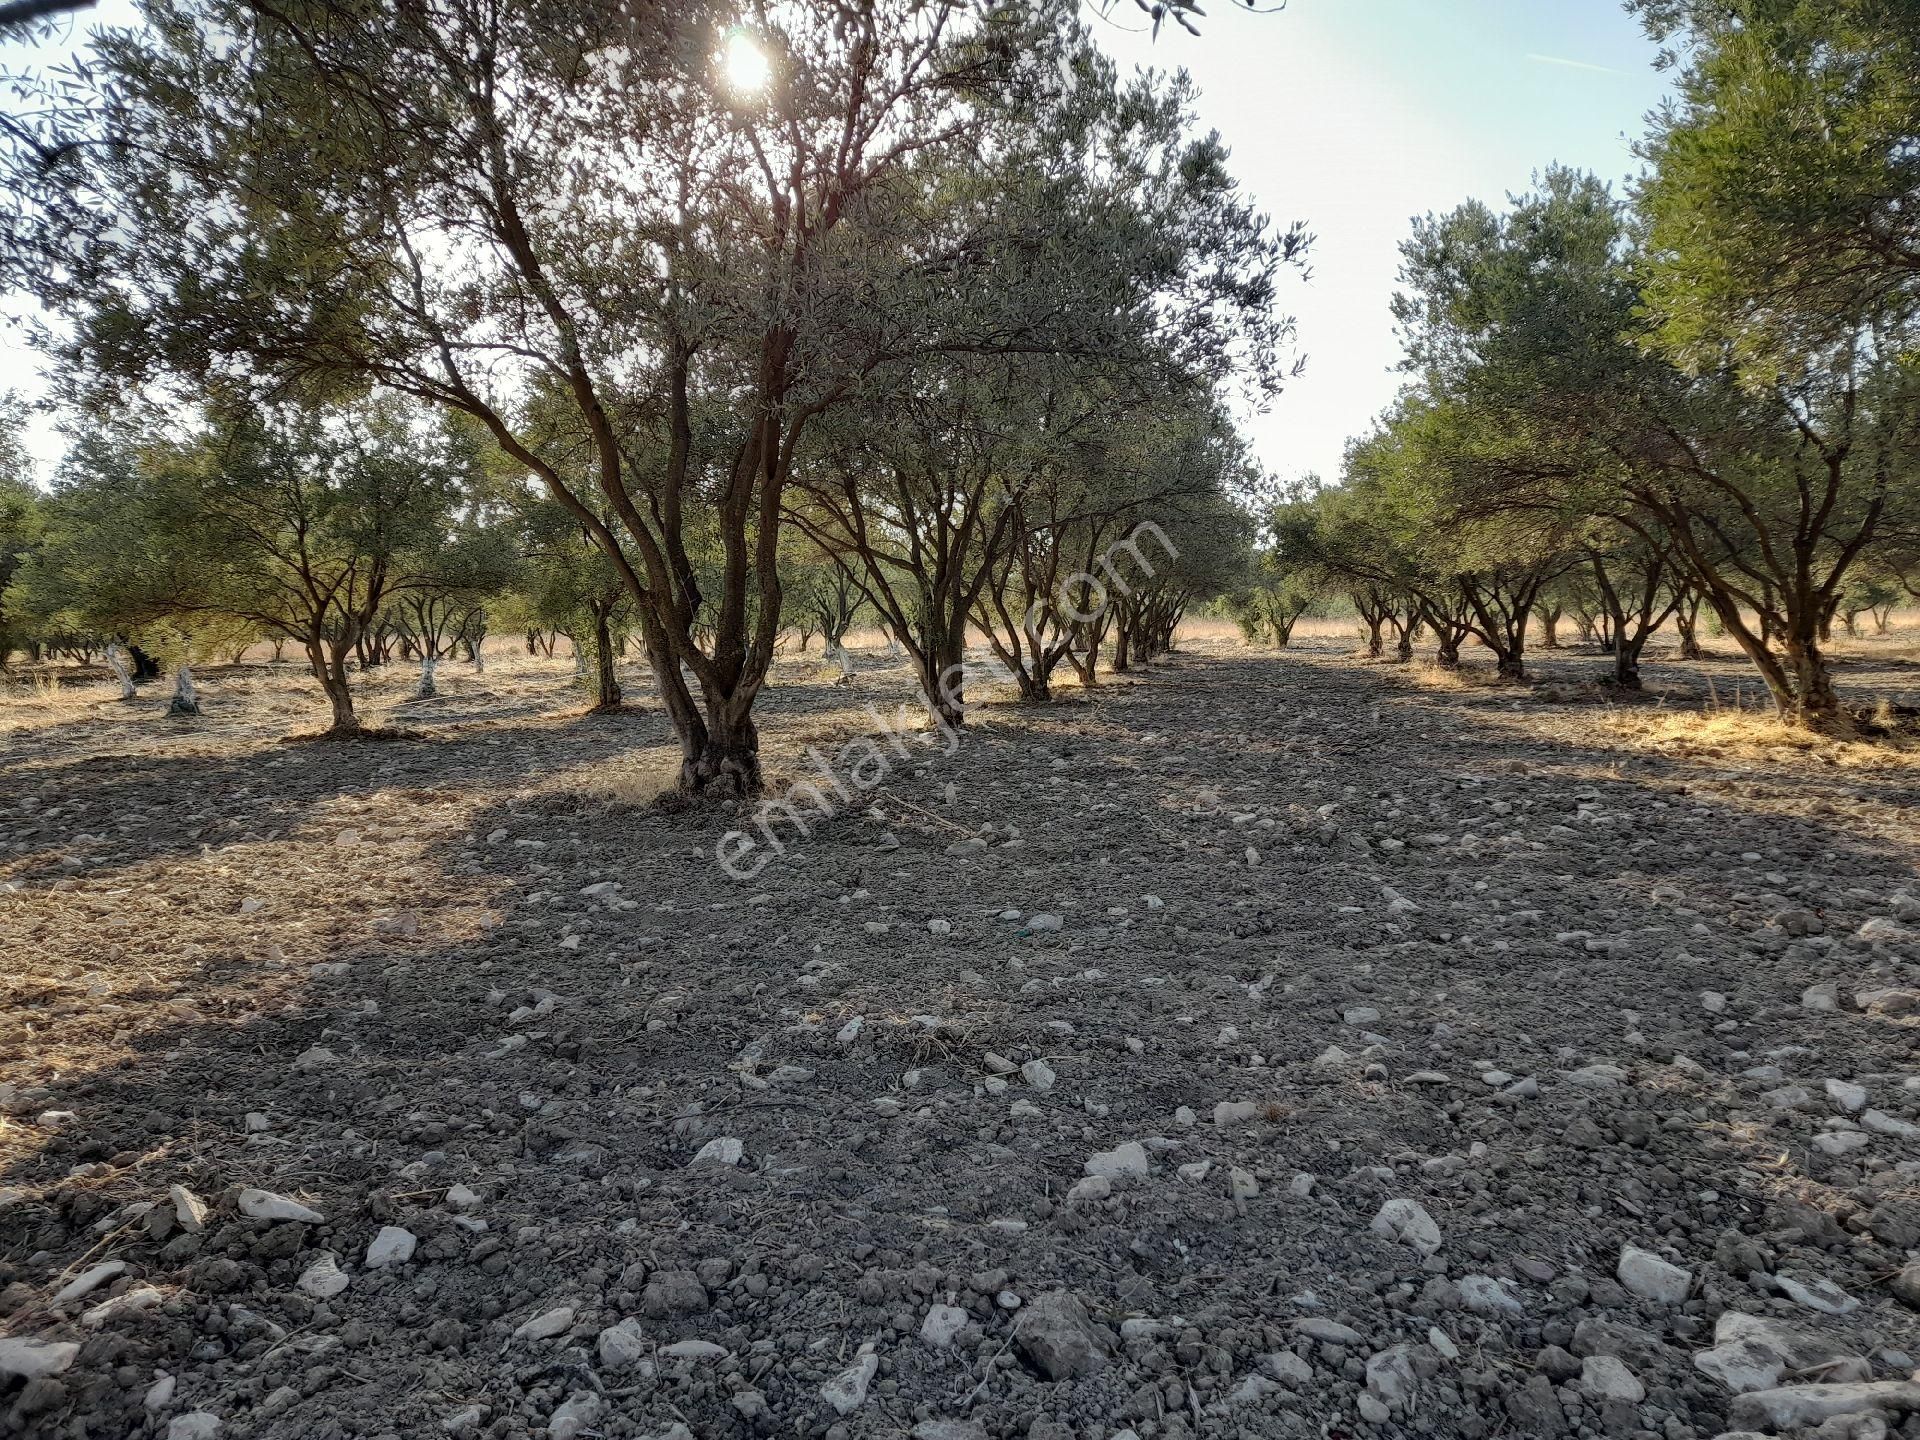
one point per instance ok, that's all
(1354, 116)
(1358, 115)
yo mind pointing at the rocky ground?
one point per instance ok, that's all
(1276, 1045)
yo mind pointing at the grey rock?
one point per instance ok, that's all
(1329, 1332)
(574, 1416)
(1606, 1378)
(1645, 1274)
(546, 1325)
(1797, 1405)
(265, 1205)
(1057, 1336)
(29, 1359)
(847, 1391)
(673, 1292)
(392, 1246)
(1407, 1222)
(622, 1346)
(941, 1324)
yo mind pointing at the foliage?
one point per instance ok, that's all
(648, 286)
(1783, 203)
(21, 521)
(298, 524)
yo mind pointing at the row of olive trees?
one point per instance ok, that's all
(1703, 397)
(691, 312)
(327, 532)
(357, 533)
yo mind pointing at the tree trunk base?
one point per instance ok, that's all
(723, 771)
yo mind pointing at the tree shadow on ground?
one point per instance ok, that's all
(469, 1007)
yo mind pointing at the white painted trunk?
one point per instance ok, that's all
(117, 663)
(840, 654)
(427, 665)
(186, 700)
(479, 657)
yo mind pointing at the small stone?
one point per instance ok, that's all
(724, 1150)
(265, 1205)
(189, 1210)
(622, 1346)
(1126, 1161)
(1792, 1406)
(323, 1279)
(87, 1281)
(197, 1425)
(847, 1391)
(942, 1323)
(1817, 1294)
(1038, 1074)
(392, 1246)
(1605, 1378)
(29, 1359)
(1090, 1189)
(1852, 1099)
(1651, 1278)
(1407, 1222)
(1055, 1333)
(574, 1416)
(546, 1325)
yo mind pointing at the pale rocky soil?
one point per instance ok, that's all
(1383, 1014)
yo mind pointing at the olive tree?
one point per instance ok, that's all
(295, 524)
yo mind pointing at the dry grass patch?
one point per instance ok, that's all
(620, 787)
(1432, 675)
(1757, 736)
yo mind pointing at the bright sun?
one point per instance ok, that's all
(746, 63)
